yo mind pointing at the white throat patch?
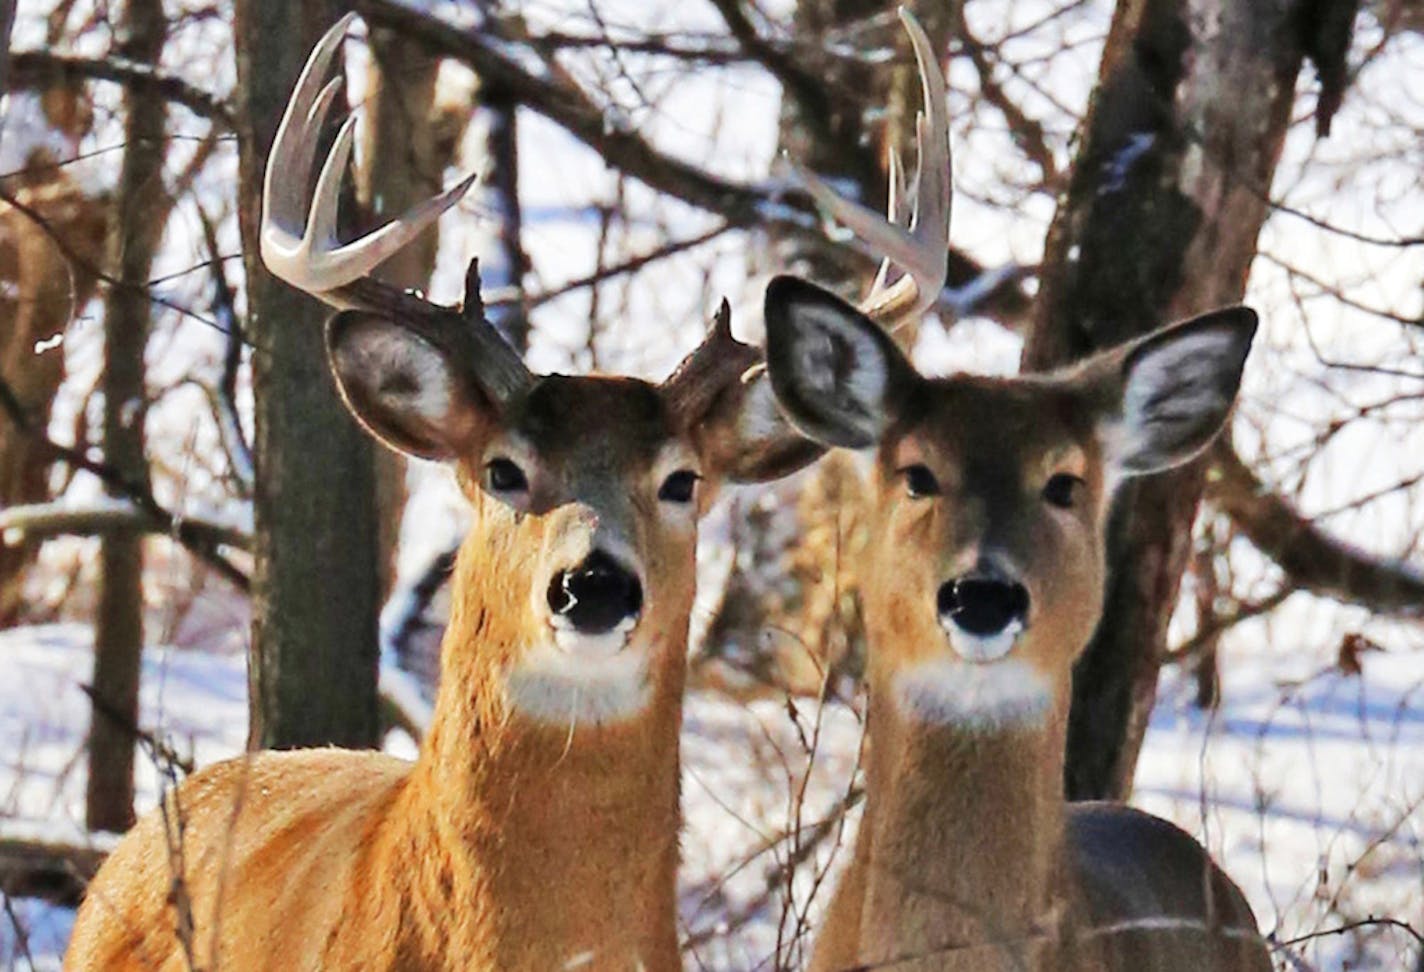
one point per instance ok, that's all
(558, 687)
(998, 695)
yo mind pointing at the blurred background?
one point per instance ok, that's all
(201, 552)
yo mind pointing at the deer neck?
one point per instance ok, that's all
(557, 843)
(965, 834)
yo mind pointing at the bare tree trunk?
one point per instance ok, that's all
(316, 589)
(791, 607)
(1167, 197)
(133, 238)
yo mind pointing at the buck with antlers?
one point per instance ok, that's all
(538, 828)
(984, 581)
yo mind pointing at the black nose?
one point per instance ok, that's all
(983, 605)
(596, 595)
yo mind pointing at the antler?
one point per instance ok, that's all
(299, 242)
(915, 237)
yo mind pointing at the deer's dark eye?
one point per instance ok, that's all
(504, 476)
(1063, 490)
(678, 487)
(919, 481)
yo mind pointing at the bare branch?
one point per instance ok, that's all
(1312, 559)
(41, 521)
(175, 526)
(43, 69)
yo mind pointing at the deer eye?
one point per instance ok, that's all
(1063, 490)
(504, 476)
(679, 486)
(919, 481)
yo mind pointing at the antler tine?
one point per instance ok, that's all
(922, 248)
(298, 242)
(704, 373)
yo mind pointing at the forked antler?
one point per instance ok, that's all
(915, 237)
(299, 242)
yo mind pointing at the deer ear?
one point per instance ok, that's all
(405, 390)
(839, 377)
(1175, 388)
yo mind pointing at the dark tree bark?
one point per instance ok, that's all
(1165, 202)
(316, 592)
(133, 238)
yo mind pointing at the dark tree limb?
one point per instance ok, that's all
(53, 870)
(41, 521)
(1311, 558)
(43, 69)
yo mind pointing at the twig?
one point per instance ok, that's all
(176, 527)
(161, 753)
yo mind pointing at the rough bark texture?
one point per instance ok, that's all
(42, 291)
(316, 593)
(133, 238)
(1165, 203)
(791, 607)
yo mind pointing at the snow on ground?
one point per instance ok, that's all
(1307, 785)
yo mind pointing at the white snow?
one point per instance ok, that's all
(1307, 785)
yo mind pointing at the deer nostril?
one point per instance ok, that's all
(981, 605)
(596, 595)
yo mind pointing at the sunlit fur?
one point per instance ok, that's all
(967, 857)
(514, 842)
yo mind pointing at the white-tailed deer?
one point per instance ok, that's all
(984, 581)
(538, 828)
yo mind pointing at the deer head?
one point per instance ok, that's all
(579, 573)
(991, 494)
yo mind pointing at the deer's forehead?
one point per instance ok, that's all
(995, 422)
(596, 420)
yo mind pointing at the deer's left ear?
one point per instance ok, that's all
(1169, 394)
(721, 395)
(841, 379)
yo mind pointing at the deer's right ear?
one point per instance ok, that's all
(839, 377)
(405, 390)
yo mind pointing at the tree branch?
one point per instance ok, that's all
(497, 63)
(1312, 559)
(192, 539)
(41, 521)
(41, 69)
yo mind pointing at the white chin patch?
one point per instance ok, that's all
(581, 680)
(981, 648)
(981, 696)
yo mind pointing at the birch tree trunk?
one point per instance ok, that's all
(1166, 199)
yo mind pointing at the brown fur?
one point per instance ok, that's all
(968, 857)
(510, 843)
